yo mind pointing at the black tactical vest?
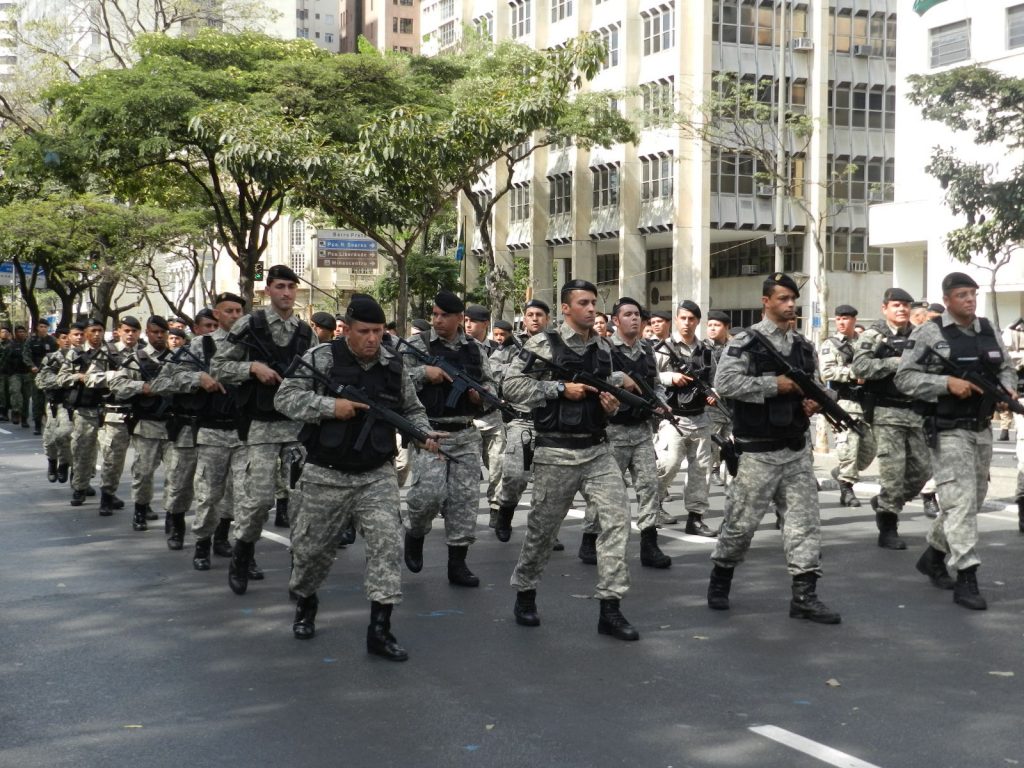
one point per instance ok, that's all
(108, 358)
(332, 442)
(433, 396)
(781, 417)
(885, 391)
(584, 416)
(13, 362)
(979, 354)
(211, 410)
(846, 390)
(255, 397)
(685, 400)
(151, 407)
(38, 348)
(643, 367)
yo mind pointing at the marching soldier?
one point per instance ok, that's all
(856, 452)
(57, 419)
(960, 424)
(718, 330)
(1013, 339)
(36, 348)
(19, 377)
(770, 426)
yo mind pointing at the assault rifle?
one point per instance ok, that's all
(375, 411)
(461, 381)
(683, 366)
(663, 411)
(835, 415)
(133, 417)
(995, 391)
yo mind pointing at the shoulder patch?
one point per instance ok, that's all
(866, 345)
(734, 351)
(910, 344)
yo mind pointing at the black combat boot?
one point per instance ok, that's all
(176, 540)
(805, 603)
(51, 470)
(588, 549)
(847, 497)
(650, 553)
(458, 573)
(150, 514)
(966, 593)
(613, 623)
(117, 503)
(887, 522)
(718, 588)
(90, 491)
(3, 415)
(107, 505)
(695, 526)
(139, 518)
(347, 535)
(62, 473)
(221, 545)
(238, 568)
(305, 617)
(525, 609)
(38, 428)
(1020, 513)
(281, 519)
(255, 572)
(931, 505)
(503, 523)
(557, 546)
(932, 564)
(413, 552)
(201, 556)
(379, 640)
(77, 498)
(167, 523)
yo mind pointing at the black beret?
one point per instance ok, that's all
(478, 313)
(61, 331)
(131, 322)
(206, 312)
(77, 326)
(449, 303)
(624, 301)
(661, 314)
(281, 272)
(95, 321)
(579, 285)
(537, 303)
(845, 310)
(720, 316)
(325, 320)
(228, 296)
(936, 308)
(177, 332)
(957, 280)
(779, 278)
(502, 325)
(158, 321)
(896, 294)
(364, 309)
(421, 325)
(690, 306)
(20, 327)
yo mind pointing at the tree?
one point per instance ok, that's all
(987, 105)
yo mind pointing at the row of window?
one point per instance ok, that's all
(951, 43)
(403, 25)
(753, 257)
(659, 24)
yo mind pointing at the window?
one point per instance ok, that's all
(657, 172)
(610, 38)
(484, 25)
(606, 186)
(659, 265)
(328, 37)
(328, 19)
(522, 149)
(560, 194)
(298, 260)
(871, 179)
(1015, 27)
(950, 43)
(607, 268)
(298, 233)
(405, 26)
(519, 203)
(659, 29)
(405, 2)
(737, 259)
(735, 173)
(560, 9)
(848, 250)
(520, 20)
(447, 9)
(857, 107)
(658, 101)
(446, 34)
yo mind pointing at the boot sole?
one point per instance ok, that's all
(816, 619)
(983, 606)
(618, 634)
(204, 566)
(655, 564)
(522, 621)
(938, 584)
(388, 656)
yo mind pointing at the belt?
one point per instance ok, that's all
(766, 446)
(582, 441)
(115, 408)
(451, 426)
(972, 425)
(892, 402)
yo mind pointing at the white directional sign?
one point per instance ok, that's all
(9, 279)
(344, 249)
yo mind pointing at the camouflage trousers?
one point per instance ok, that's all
(855, 452)
(256, 487)
(514, 475)
(39, 405)
(443, 487)
(84, 447)
(19, 389)
(638, 458)
(113, 441)
(179, 474)
(323, 510)
(57, 429)
(695, 446)
(493, 449)
(149, 454)
(216, 469)
(961, 462)
(904, 465)
(554, 486)
(787, 478)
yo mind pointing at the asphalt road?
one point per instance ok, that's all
(115, 652)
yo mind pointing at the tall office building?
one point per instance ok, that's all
(670, 218)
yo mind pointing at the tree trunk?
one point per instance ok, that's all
(402, 310)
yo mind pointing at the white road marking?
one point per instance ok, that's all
(276, 537)
(812, 748)
(4, 431)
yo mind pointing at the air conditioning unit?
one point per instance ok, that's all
(876, 195)
(765, 190)
(804, 44)
(749, 269)
(863, 50)
(856, 266)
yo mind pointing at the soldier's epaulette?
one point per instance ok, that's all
(866, 345)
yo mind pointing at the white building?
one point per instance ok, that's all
(950, 34)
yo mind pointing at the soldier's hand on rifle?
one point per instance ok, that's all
(347, 409)
(711, 401)
(474, 397)
(628, 383)
(435, 375)
(609, 402)
(787, 386)
(681, 380)
(264, 374)
(433, 443)
(810, 407)
(147, 389)
(961, 387)
(210, 384)
(576, 391)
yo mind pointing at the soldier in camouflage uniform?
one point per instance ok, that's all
(770, 426)
(1013, 340)
(339, 481)
(490, 423)
(253, 356)
(572, 454)
(19, 377)
(57, 419)
(452, 489)
(718, 334)
(35, 350)
(960, 425)
(5, 401)
(856, 452)
(904, 465)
